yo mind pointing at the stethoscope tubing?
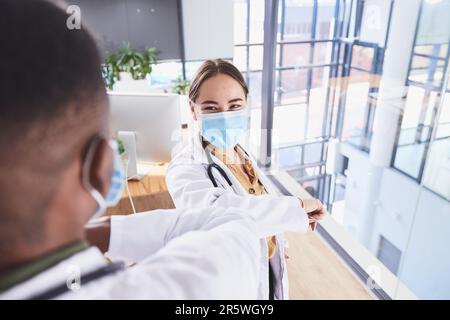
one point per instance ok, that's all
(212, 166)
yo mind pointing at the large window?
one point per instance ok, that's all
(248, 38)
(303, 66)
(426, 97)
(361, 120)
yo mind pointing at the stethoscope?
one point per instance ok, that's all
(212, 165)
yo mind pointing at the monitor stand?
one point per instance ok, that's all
(134, 169)
(129, 158)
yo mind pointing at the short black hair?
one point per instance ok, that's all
(51, 90)
(45, 66)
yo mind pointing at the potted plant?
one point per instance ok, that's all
(129, 65)
(120, 146)
(181, 86)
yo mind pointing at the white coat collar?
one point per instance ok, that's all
(199, 154)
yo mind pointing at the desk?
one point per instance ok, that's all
(149, 193)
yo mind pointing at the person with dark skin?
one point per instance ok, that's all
(56, 171)
(52, 103)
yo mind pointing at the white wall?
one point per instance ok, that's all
(402, 212)
(208, 29)
(427, 261)
(360, 194)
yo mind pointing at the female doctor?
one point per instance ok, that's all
(217, 171)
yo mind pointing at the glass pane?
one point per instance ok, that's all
(254, 83)
(444, 119)
(302, 161)
(434, 22)
(421, 62)
(427, 67)
(255, 129)
(297, 20)
(362, 57)
(431, 50)
(325, 19)
(313, 153)
(408, 158)
(427, 75)
(240, 21)
(311, 186)
(256, 57)
(256, 21)
(191, 68)
(436, 174)
(414, 131)
(437, 167)
(317, 102)
(164, 73)
(240, 58)
(320, 78)
(289, 124)
(293, 85)
(322, 53)
(355, 106)
(294, 55)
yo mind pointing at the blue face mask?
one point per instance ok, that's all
(225, 129)
(116, 186)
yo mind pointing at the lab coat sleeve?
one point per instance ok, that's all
(220, 263)
(189, 187)
(135, 237)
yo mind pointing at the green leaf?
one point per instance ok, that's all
(127, 59)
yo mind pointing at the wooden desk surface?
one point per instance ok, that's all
(315, 271)
(149, 193)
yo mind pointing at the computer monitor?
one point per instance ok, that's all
(147, 124)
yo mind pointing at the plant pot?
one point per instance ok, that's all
(124, 159)
(185, 111)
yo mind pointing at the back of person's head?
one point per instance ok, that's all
(52, 102)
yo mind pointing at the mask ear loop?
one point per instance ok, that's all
(86, 172)
(200, 137)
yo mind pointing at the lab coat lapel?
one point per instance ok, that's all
(268, 185)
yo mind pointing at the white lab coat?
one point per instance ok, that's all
(180, 254)
(189, 185)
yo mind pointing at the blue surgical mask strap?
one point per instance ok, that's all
(86, 170)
